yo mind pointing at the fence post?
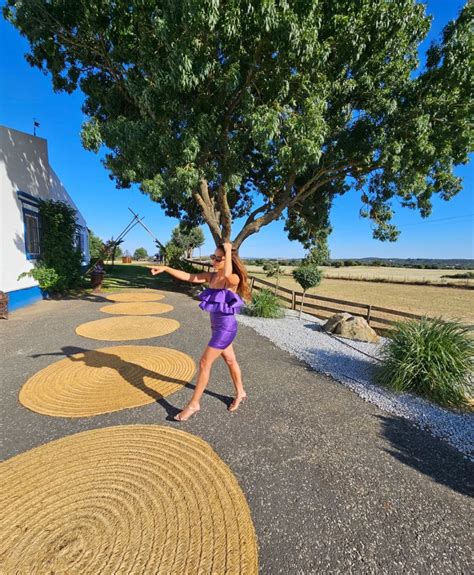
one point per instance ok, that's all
(251, 285)
(293, 299)
(369, 309)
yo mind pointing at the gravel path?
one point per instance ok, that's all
(351, 363)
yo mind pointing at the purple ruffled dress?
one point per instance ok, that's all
(222, 304)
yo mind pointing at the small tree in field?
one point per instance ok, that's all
(308, 276)
(273, 269)
(140, 254)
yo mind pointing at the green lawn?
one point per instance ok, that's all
(132, 276)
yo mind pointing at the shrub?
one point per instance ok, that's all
(431, 357)
(47, 278)
(264, 304)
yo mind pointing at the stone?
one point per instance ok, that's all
(196, 290)
(351, 327)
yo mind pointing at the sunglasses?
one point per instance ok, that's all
(217, 258)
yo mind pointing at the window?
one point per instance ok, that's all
(31, 220)
(80, 241)
(32, 233)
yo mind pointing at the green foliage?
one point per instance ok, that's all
(308, 276)
(140, 254)
(465, 275)
(263, 110)
(319, 255)
(58, 250)
(264, 304)
(272, 268)
(174, 255)
(47, 278)
(96, 246)
(187, 238)
(430, 357)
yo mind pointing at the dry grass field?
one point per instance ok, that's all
(387, 273)
(449, 302)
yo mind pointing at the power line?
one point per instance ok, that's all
(437, 220)
(469, 216)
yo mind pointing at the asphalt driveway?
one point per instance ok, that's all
(334, 484)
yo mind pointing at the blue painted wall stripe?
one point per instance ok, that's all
(23, 297)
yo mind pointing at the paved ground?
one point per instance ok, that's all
(334, 484)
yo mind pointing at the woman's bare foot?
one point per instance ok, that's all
(187, 412)
(235, 404)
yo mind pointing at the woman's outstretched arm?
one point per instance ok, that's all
(199, 278)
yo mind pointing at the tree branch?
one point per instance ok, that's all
(225, 213)
(203, 200)
(271, 215)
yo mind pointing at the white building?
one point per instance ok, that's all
(25, 177)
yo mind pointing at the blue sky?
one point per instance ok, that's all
(26, 93)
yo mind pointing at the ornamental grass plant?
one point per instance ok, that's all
(430, 357)
(264, 304)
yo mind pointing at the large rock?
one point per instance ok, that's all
(352, 327)
(195, 290)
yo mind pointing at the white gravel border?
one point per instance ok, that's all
(346, 361)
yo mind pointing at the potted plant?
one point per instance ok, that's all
(97, 275)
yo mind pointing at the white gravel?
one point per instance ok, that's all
(346, 361)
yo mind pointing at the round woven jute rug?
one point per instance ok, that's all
(107, 379)
(128, 499)
(127, 328)
(135, 296)
(137, 308)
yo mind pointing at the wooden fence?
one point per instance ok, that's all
(379, 318)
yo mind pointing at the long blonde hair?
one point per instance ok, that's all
(239, 269)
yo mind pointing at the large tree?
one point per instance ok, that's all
(264, 109)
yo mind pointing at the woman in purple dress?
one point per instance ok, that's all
(228, 284)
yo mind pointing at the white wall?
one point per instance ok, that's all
(24, 166)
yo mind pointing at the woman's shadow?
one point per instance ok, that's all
(133, 373)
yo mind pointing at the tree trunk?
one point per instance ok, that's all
(301, 306)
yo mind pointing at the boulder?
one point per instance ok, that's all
(196, 290)
(351, 327)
